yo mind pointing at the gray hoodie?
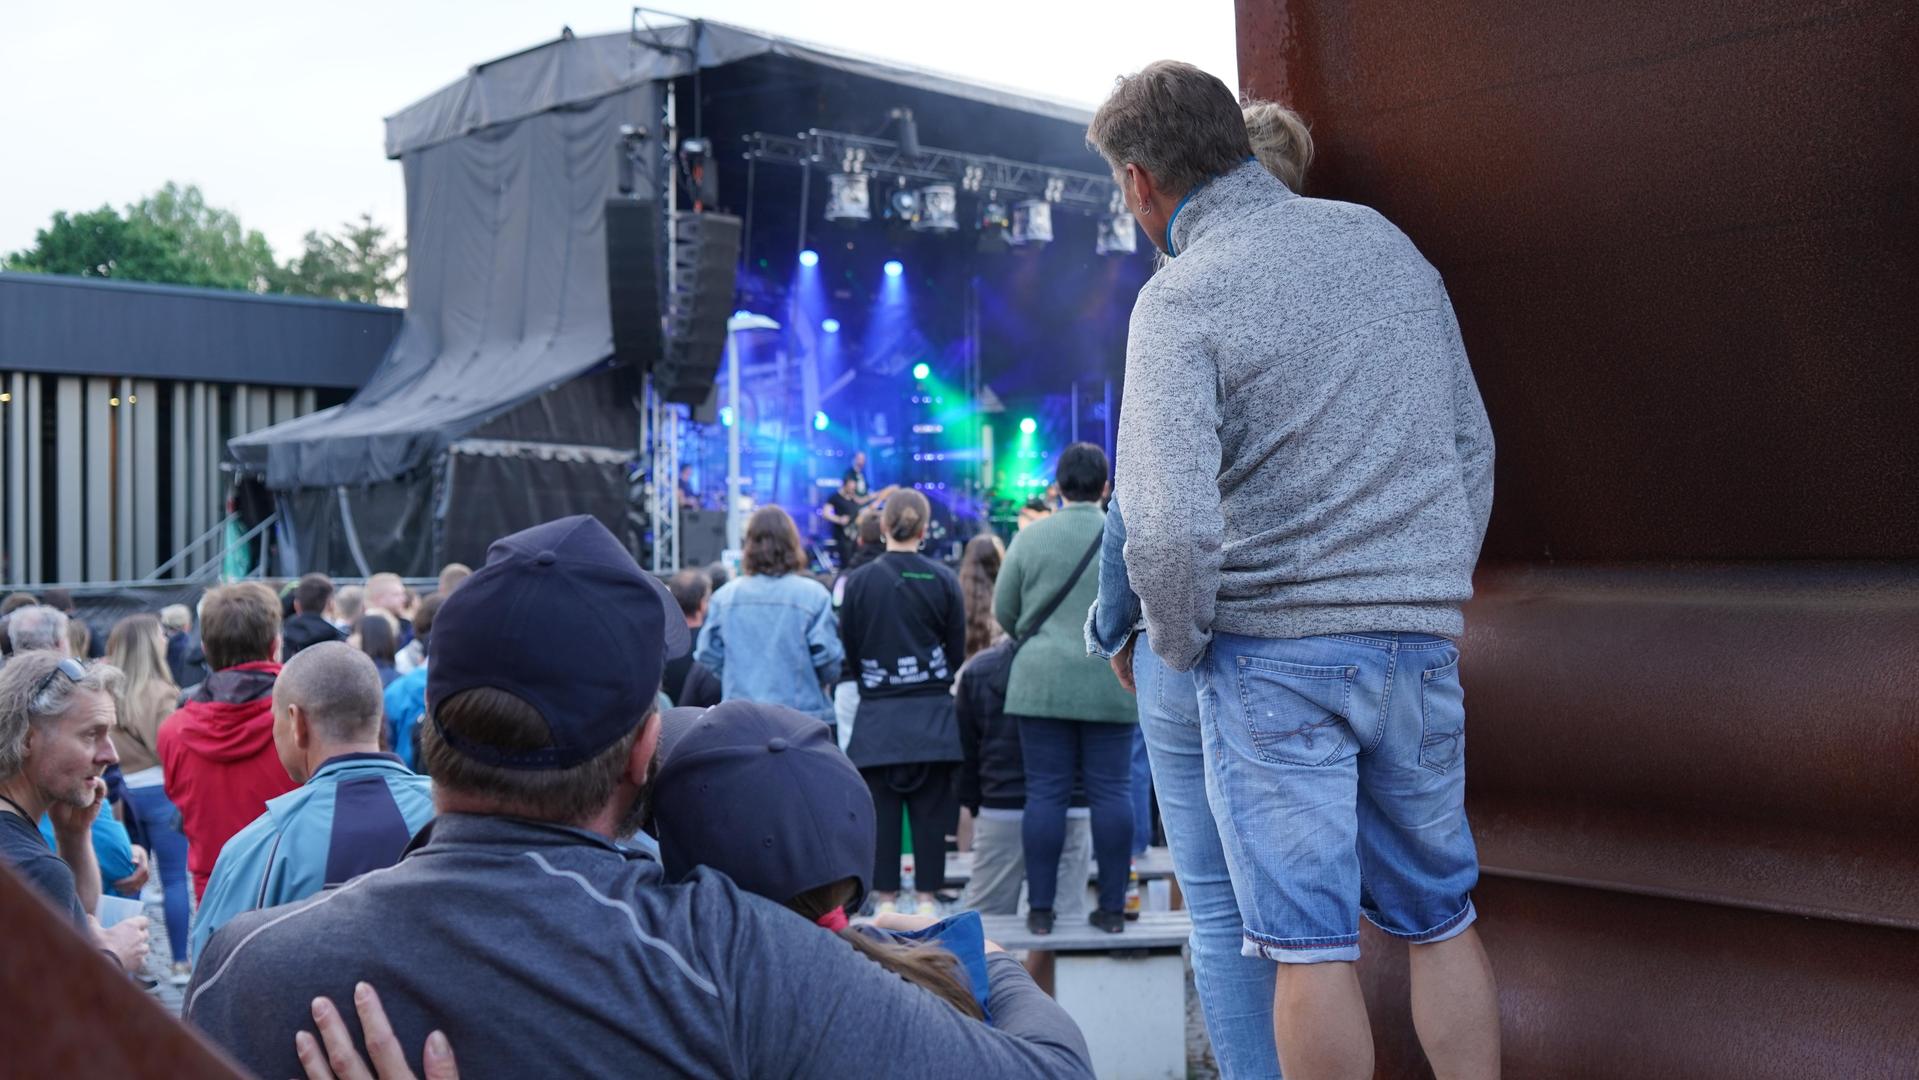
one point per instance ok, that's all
(1302, 449)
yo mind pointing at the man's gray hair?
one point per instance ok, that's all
(37, 626)
(1178, 123)
(31, 693)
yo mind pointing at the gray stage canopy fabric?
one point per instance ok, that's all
(506, 295)
(571, 71)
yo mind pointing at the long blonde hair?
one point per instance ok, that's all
(1280, 141)
(138, 647)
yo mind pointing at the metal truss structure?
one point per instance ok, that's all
(838, 151)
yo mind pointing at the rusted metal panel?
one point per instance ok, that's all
(1682, 239)
(66, 1011)
(1683, 243)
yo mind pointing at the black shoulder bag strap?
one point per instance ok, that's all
(1059, 597)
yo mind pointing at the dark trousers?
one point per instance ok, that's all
(925, 790)
(1102, 754)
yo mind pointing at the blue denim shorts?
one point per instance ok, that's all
(1337, 768)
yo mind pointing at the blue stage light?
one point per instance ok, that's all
(819, 421)
(893, 268)
(1028, 426)
(809, 257)
(726, 416)
(831, 326)
(921, 371)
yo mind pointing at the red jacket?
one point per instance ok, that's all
(217, 754)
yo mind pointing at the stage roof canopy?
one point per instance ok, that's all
(571, 70)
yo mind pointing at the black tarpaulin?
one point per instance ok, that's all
(571, 71)
(506, 297)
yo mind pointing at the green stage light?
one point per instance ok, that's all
(1028, 426)
(921, 371)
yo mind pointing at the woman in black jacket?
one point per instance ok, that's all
(904, 626)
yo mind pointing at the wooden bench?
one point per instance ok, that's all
(1126, 991)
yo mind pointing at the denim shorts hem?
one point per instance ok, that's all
(1320, 950)
(1452, 926)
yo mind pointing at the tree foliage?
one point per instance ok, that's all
(173, 236)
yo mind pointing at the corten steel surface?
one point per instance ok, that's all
(1682, 239)
(1683, 243)
(66, 1011)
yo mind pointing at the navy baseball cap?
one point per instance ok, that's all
(762, 794)
(564, 619)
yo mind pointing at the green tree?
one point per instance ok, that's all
(170, 236)
(100, 243)
(357, 262)
(215, 250)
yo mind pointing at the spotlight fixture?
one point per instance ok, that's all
(819, 421)
(1032, 223)
(938, 210)
(994, 214)
(1117, 235)
(921, 370)
(1028, 426)
(904, 203)
(809, 257)
(847, 198)
(830, 326)
(894, 268)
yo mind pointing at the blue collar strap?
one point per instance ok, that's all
(1170, 251)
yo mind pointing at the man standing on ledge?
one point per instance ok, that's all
(1307, 473)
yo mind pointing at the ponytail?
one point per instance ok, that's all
(929, 967)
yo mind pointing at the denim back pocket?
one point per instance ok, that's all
(1296, 714)
(1442, 718)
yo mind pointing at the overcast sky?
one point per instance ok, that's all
(275, 109)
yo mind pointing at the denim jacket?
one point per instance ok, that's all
(774, 640)
(1115, 615)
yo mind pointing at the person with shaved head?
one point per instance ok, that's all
(356, 807)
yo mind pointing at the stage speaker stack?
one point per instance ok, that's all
(633, 281)
(707, 257)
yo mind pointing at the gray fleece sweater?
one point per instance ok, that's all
(1302, 449)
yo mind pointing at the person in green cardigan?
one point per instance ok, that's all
(1074, 717)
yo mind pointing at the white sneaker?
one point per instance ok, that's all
(181, 975)
(886, 907)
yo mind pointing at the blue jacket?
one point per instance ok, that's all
(355, 813)
(405, 705)
(764, 634)
(1115, 613)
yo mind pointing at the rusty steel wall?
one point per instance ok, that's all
(1683, 243)
(65, 1010)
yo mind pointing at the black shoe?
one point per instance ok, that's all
(1039, 921)
(1112, 922)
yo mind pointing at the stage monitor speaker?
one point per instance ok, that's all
(633, 281)
(707, 257)
(702, 537)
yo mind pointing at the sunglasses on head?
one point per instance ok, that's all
(73, 669)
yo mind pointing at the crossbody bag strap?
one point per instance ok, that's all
(1059, 597)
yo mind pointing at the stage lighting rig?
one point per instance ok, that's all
(847, 197)
(1117, 235)
(904, 203)
(1032, 223)
(939, 209)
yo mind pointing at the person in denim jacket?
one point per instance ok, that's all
(766, 630)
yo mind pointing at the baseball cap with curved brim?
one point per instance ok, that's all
(564, 619)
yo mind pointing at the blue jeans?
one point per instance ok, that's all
(1235, 990)
(1336, 766)
(1142, 794)
(159, 823)
(1101, 753)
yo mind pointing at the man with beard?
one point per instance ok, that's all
(56, 724)
(520, 930)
